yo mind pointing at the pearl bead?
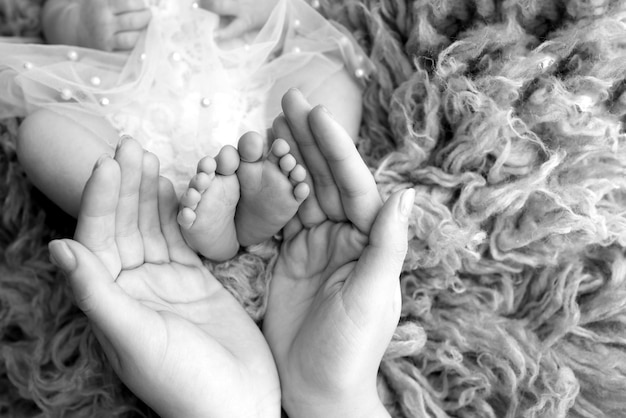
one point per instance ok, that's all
(194, 5)
(95, 80)
(66, 94)
(296, 23)
(143, 56)
(359, 73)
(72, 55)
(176, 57)
(296, 50)
(28, 65)
(246, 47)
(104, 101)
(344, 40)
(315, 4)
(545, 63)
(205, 102)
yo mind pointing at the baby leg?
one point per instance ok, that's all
(339, 93)
(342, 96)
(272, 189)
(58, 154)
(207, 214)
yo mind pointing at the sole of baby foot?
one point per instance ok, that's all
(207, 208)
(310, 212)
(271, 188)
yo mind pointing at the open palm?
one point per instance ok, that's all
(310, 316)
(172, 332)
(334, 299)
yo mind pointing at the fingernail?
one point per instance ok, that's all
(123, 138)
(61, 255)
(407, 200)
(101, 160)
(326, 111)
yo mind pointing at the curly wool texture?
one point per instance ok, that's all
(508, 119)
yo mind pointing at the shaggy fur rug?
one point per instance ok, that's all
(508, 119)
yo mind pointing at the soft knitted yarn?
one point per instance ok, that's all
(508, 119)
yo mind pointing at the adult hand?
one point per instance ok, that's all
(334, 299)
(171, 331)
(247, 15)
(111, 25)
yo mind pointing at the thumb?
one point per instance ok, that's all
(376, 275)
(97, 294)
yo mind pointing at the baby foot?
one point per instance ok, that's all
(207, 212)
(272, 189)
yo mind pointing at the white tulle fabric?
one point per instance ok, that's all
(179, 92)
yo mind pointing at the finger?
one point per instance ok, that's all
(310, 211)
(95, 227)
(132, 21)
(296, 110)
(126, 41)
(129, 156)
(375, 284)
(292, 228)
(357, 187)
(125, 6)
(236, 28)
(154, 245)
(221, 7)
(177, 247)
(118, 316)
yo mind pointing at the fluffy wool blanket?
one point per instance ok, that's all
(507, 117)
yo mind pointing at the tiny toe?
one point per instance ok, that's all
(186, 218)
(287, 163)
(191, 198)
(250, 147)
(227, 161)
(301, 192)
(207, 165)
(298, 174)
(280, 148)
(201, 181)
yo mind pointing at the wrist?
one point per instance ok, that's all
(362, 405)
